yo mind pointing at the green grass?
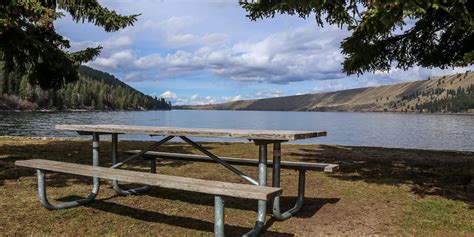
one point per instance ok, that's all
(439, 214)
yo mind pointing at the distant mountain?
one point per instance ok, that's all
(95, 90)
(452, 94)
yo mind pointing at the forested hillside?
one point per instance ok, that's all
(95, 90)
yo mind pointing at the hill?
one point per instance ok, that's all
(453, 93)
(95, 90)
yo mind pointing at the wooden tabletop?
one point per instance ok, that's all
(278, 135)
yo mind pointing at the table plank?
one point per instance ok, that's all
(272, 135)
(166, 181)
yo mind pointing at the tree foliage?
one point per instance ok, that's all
(457, 101)
(387, 33)
(29, 44)
(94, 90)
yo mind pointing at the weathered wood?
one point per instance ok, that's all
(271, 135)
(165, 181)
(327, 168)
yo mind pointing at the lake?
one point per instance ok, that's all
(422, 131)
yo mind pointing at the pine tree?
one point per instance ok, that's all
(26, 92)
(388, 33)
(29, 43)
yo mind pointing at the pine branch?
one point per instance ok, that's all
(91, 11)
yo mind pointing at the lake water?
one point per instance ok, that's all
(423, 131)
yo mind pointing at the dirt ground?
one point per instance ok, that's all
(378, 191)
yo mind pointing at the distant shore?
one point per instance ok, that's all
(186, 107)
(178, 108)
(447, 94)
(76, 110)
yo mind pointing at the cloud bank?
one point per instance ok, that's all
(174, 49)
(280, 58)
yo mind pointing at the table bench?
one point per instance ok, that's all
(261, 138)
(301, 167)
(216, 188)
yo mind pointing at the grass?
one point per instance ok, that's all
(379, 191)
(439, 214)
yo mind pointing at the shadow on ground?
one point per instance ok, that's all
(441, 173)
(107, 205)
(69, 151)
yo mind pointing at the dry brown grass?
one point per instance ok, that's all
(377, 98)
(378, 191)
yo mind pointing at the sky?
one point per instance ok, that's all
(207, 51)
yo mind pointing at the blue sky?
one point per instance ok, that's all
(207, 51)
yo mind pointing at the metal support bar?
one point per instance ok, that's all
(219, 216)
(276, 183)
(299, 201)
(220, 161)
(95, 189)
(119, 190)
(159, 143)
(153, 166)
(262, 181)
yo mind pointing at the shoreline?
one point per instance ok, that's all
(190, 109)
(79, 110)
(107, 139)
(334, 111)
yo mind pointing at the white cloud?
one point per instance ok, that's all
(111, 43)
(81, 45)
(231, 98)
(120, 58)
(237, 97)
(168, 95)
(172, 24)
(297, 55)
(123, 55)
(180, 40)
(195, 100)
(183, 40)
(204, 100)
(105, 63)
(267, 94)
(117, 42)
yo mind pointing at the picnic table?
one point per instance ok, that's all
(257, 189)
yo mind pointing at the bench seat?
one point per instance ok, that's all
(166, 181)
(327, 168)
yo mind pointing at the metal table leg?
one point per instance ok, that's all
(262, 181)
(219, 216)
(276, 183)
(119, 190)
(95, 190)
